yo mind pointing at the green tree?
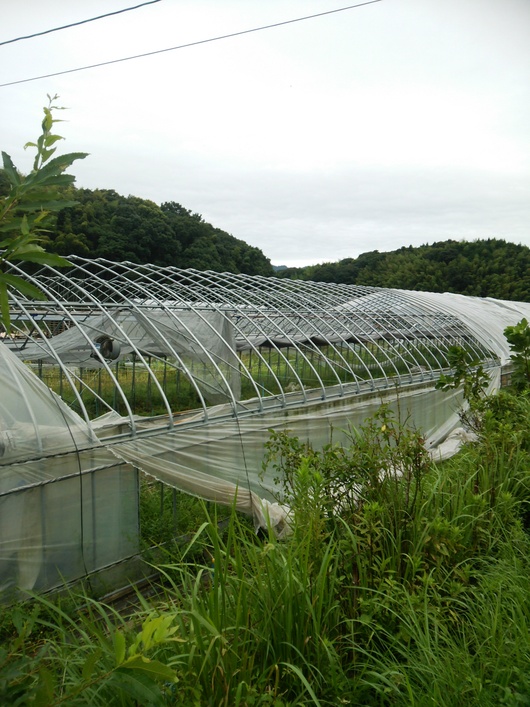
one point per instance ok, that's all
(518, 337)
(25, 209)
(483, 268)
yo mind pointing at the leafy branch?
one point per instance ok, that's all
(26, 209)
(518, 336)
(469, 374)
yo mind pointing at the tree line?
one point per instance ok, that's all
(483, 268)
(109, 225)
(105, 224)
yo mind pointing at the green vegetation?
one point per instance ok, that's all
(108, 225)
(270, 372)
(167, 515)
(27, 204)
(483, 268)
(518, 337)
(99, 392)
(404, 583)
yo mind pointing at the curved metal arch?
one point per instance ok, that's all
(314, 347)
(134, 306)
(402, 299)
(244, 314)
(169, 290)
(332, 314)
(112, 286)
(478, 350)
(65, 312)
(262, 312)
(149, 289)
(374, 339)
(381, 328)
(59, 362)
(195, 310)
(105, 311)
(241, 363)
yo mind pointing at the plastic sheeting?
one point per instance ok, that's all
(62, 529)
(202, 343)
(486, 317)
(67, 506)
(222, 460)
(34, 421)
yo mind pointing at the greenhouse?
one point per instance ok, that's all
(181, 375)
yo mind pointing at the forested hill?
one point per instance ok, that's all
(485, 268)
(108, 225)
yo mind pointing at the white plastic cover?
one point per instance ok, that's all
(222, 459)
(34, 421)
(201, 342)
(66, 506)
(486, 317)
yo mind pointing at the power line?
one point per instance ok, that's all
(75, 24)
(190, 44)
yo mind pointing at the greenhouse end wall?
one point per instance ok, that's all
(80, 521)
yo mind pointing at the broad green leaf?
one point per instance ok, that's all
(4, 307)
(152, 667)
(10, 169)
(46, 688)
(119, 647)
(20, 241)
(46, 154)
(47, 121)
(143, 690)
(164, 628)
(43, 258)
(52, 139)
(23, 286)
(5, 243)
(90, 664)
(38, 193)
(156, 629)
(24, 226)
(57, 166)
(9, 227)
(40, 217)
(56, 179)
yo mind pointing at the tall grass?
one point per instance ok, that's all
(403, 583)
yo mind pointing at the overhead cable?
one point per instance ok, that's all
(75, 24)
(190, 44)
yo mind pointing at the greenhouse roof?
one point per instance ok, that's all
(250, 342)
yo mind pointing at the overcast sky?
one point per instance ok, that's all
(398, 123)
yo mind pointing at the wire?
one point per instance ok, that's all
(190, 44)
(75, 24)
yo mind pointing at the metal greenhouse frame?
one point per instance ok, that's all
(182, 374)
